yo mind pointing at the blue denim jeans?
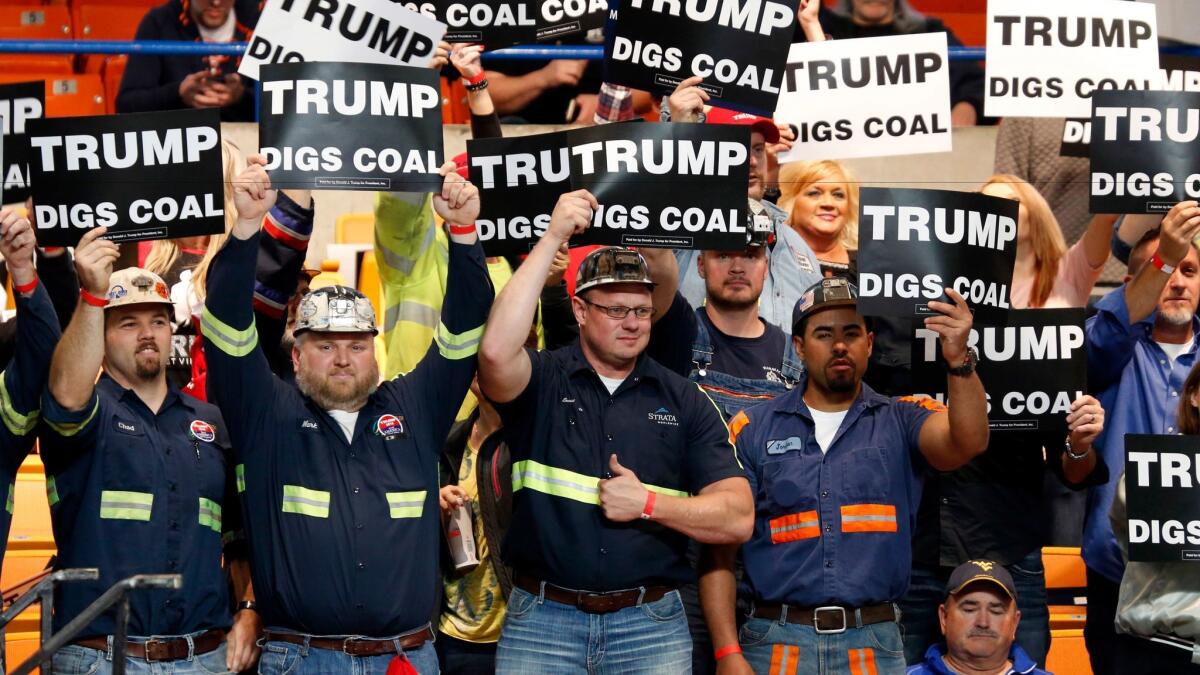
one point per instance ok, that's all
(927, 590)
(285, 658)
(773, 647)
(543, 636)
(76, 660)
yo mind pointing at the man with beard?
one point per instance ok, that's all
(1141, 344)
(140, 480)
(339, 473)
(836, 471)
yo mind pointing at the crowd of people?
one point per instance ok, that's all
(676, 461)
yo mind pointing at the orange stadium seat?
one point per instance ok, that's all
(354, 228)
(34, 21)
(30, 547)
(112, 68)
(105, 20)
(369, 282)
(68, 96)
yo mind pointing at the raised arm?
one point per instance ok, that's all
(808, 15)
(1179, 228)
(664, 272)
(950, 439)
(1097, 237)
(485, 123)
(504, 367)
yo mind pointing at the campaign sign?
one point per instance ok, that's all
(19, 103)
(351, 126)
(364, 31)
(155, 175)
(1034, 365)
(739, 47)
(867, 97)
(520, 179)
(513, 22)
(1160, 498)
(1046, 59)
(1143, 157)
(914, 243)
(1176, 73)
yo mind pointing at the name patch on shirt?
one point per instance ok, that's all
(391, 426)
(780, 446)
(127, 427)
(309, 425)
(202, 431)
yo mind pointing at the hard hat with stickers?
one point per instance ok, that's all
(336, 309)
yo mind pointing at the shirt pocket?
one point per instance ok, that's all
(789, 485)
(867, 504)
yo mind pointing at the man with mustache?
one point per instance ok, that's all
(979, 619)
(1141, 344)
(340, 472)
(140, 480)
(836, 471)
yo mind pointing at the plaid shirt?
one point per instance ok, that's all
(615, 104)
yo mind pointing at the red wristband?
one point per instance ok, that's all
(721, 653)
(477, 79)
(648, 509)
(91, 299)
(26, 288)
(1161, 264)
(461, 229)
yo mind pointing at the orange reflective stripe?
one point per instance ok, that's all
(794, 527)
(925, 402)
(785, 659)
(869, 518)
(736, 425)
(862, 661)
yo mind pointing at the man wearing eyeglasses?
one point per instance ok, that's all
(616, 463)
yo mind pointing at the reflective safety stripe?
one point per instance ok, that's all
(412, 311)
(72, 428)
(306, 502)
(210, 514)
(567, 484)
(862, 661)
(736, 425)
(785, 659)
(18, 424)
(400, 262)
(12, 498)
(869, 518)
(406, 504)
(456, 346)
(51, 491)
(239, 472)
(122, 505)
(234, 342)
(794, 527)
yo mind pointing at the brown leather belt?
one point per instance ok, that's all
(830, 619)
(591, 602)
(174, 649)
(355, 646)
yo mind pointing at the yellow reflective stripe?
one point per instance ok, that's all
(732, 440)
(456, 346)
(567, 484)
(18, 424)
(51, 491)
(210, 514)
(72, 428)
(12, 498)
(406, 504)
(122, 505)
(240, 472)
(234, 342)
(306, 502)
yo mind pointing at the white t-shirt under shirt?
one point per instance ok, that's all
(1174, 350)
(827, 424)
(610, 383)
(346, 421)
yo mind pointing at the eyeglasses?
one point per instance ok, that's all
(618, 312)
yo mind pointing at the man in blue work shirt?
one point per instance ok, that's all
(1141, 346)
(140, 481)
(836, 471)
(340, 472)
(600, 553)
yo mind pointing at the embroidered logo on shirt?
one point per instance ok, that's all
(390, 426)
(202, 431)
(309, 424)
(663, 416)
(780, 446)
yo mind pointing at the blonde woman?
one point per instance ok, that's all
(1047, 273)
(822, 200)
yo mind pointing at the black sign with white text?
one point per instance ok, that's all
(1161, 502)
(151, 175)
(351, 126)
(1033, 366)
(19, 103)
(739, 47)
(513, 22)
(637, 172)
(1143, 151)
(915, 243)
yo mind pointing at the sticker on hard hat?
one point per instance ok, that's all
(341, 313)
(390, 426)
(202, 431)
(117, 292)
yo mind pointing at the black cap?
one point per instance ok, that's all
(980, 570)
(826, 293)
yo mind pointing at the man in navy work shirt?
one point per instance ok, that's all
(140, 480)
(340, 472)
(616, 462)
(1141, 346)
(836, 472)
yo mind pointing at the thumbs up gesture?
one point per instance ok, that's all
(623, 496)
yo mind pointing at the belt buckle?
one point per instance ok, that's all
(817, 620)
(152, 643)
(346, 646)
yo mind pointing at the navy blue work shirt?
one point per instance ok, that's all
(131, 492)
(561, 432)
